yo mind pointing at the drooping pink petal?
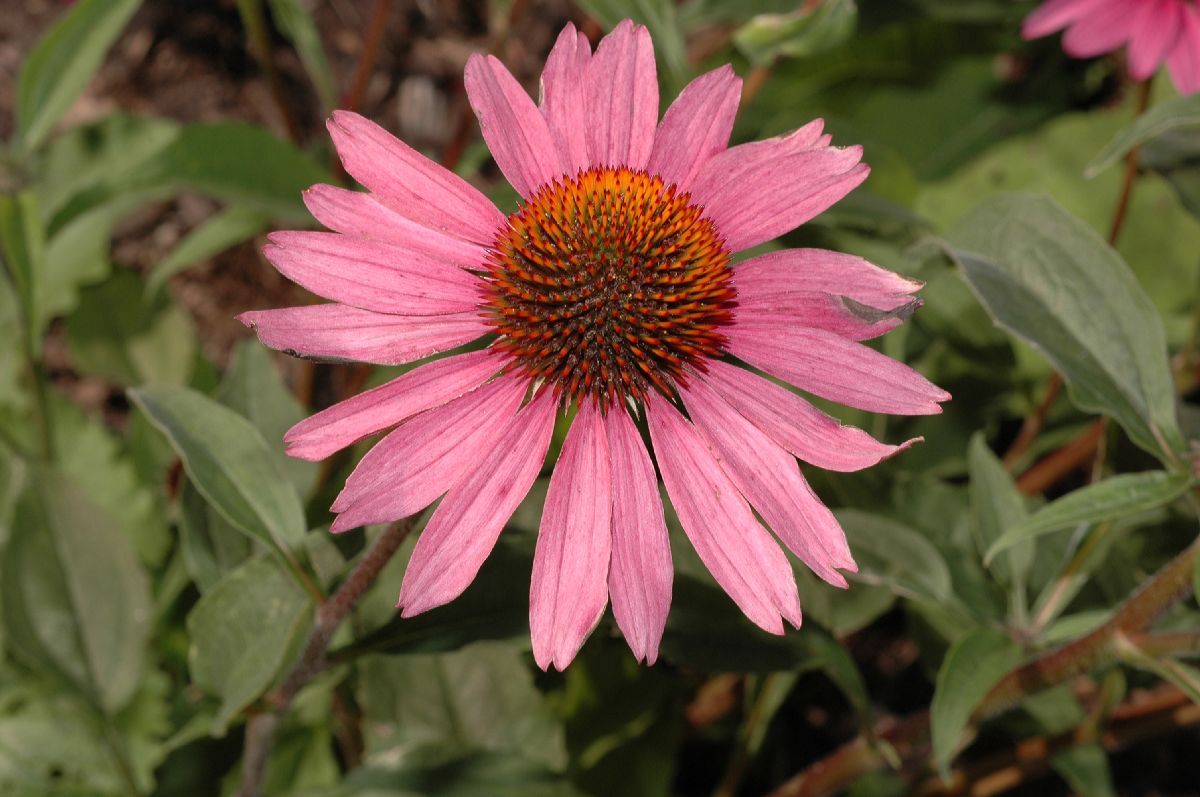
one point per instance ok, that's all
(796, 425)
(372, 275)
(563, 81)
(1152, 34)
(736, 549)
(1057, 14)
(360, 215)
(431, 385)
(622, 98)
(771, 481)
(426, 455)
(1102, 31)
(781, 275)
(640, 573)
(514, 129)
(569, 587)
(835, 368)
(758, 191)
(464, 528)
(696, 127)
(411, 184)
(343, 333)
(1184, 60)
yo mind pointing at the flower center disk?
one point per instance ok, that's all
(609, 284)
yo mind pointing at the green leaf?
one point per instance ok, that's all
(1162, 118)
(1113, 498)
(238, 163)
(1049, 279)
(1085, 769)
(801, 33)
(255, 390)
(242, 631)
(12, 483)
(891, 554)
(23, 243)
(220, 232)
(445, 706)
(294, 22)
(121, 335)
(63, 62)
(997, 505)
(75, 598)
(211, 546)
(973, 666)
(229, 463)
(1182, 675)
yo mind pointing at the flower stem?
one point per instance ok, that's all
(260, 730)
(259, 40)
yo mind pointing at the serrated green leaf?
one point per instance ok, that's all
(75, 598)
(242, 631)
(1163, 117)
(1113, 498)
(224, 230)
(63, 62)
(1049, 279)
(229, 463)
(1085, 769)
(802, 33)
(973, 666)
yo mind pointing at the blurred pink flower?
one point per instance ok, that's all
(610, 289)
(1156, 31)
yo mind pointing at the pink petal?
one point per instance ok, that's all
(514, 129)
(464, 528)
(569, 589)
(1101, 31)
(823, 311)
(755, 192)
(1184, 61)
(640, 573)
(739, 552)
(783, 274)
(360, 215)
(835, 368)
(563, 97)
(426, 455)
(1057, 14)
(423, 388)
(338, 332)
(622, 98)
(770, 479)
(795, 424)
(696, 127)
(371, 275)
(411, 184)
(1152, 35)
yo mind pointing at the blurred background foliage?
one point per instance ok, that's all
(161, 559)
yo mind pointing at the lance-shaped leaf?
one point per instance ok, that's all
(1110, 499)
(63, 62)
(1174, 113)
(1049, 279)
(228, 461)
(973, 666)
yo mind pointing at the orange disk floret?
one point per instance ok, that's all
(609, 283)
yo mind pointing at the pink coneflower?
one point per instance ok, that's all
(1157, 32)
(612, 290)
